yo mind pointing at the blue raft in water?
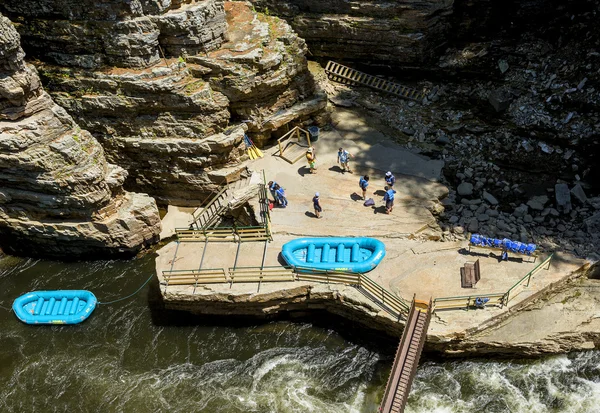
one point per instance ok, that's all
(337, 254)
(55, 307)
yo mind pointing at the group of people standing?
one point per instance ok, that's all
(343, 157)
(278, 194)
(388, 197)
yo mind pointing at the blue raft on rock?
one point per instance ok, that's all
(334, 253)
(55, 307)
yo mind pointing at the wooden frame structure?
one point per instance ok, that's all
(292, 150)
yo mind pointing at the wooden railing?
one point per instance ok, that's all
(207, 215)
(203, 276)
(223, 234)
(391, 303)
(523, 283)
(467, 301)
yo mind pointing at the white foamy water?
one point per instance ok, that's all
(566, 383)
(129, 358)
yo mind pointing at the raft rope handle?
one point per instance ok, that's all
(130, 295)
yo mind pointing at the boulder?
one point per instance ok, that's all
(563, 198)
(490, 198)
(521, 210)
(537, 202)
(579, 194)
(473, 225)
(592, 224)
(465, 189)
(501, 99)
(483, 217)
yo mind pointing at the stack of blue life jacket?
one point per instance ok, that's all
(509, 245)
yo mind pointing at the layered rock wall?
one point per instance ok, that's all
(176, 124)
(389, 31)
(404, 33)
(123, 33)
(58, 195)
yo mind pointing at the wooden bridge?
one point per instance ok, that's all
(344, 74)
(407, 358)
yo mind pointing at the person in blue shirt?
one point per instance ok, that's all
(272, 185)
(281, 196)
(343, 156)
(390, 179)
(389, 199)
(364, 183)
(317, 205)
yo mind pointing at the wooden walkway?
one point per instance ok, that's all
(407, 358)
(344, 74)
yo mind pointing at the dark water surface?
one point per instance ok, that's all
(127, 358)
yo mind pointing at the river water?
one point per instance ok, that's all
(130, 357)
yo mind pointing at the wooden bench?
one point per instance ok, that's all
(470, 274)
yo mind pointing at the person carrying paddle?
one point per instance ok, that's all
(311, 157)
(389, 199)
(364, 183)
(343, 157)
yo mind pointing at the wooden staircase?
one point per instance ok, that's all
(407, 358)
(344, 74)
(210, 215)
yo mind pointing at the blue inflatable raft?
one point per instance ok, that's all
(55, 307)
(338, 254)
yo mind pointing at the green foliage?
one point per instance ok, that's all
(181, 59)
(193, 86)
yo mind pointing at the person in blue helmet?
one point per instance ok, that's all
(390, 179)
(281, 196)
(343, 157)
(317, 205)
(389, 199)
(363, 182)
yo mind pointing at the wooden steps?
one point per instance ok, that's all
(344, 74)
(407, 358)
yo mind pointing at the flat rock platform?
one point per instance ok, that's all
(413, 266)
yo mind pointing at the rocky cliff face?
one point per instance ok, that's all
(58, 195)
(176, 121)
(123, 33)
(401, 33)
(388, 31)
